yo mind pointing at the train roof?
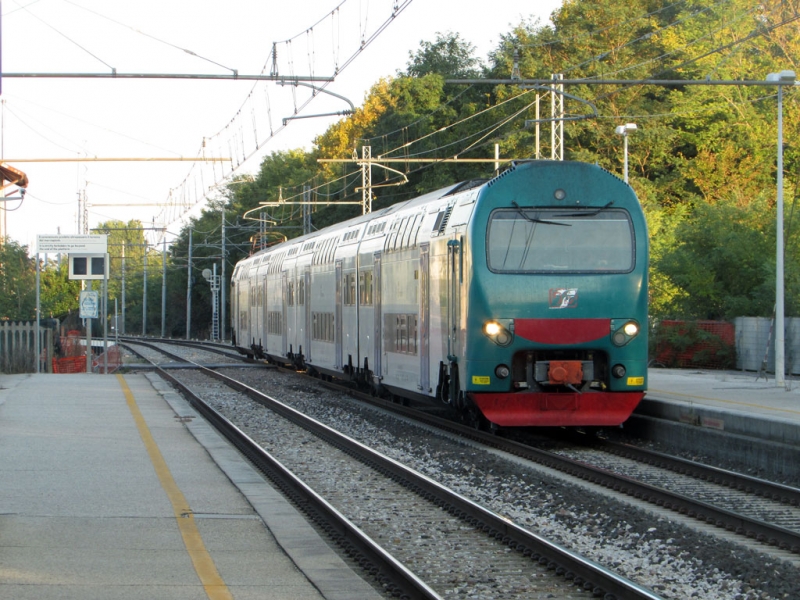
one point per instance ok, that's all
(384, 212)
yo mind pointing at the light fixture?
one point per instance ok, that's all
(623, 335)
(500, 333)
(624, 130)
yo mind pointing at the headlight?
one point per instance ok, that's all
(625, 334)
(492, 328)
(501, 333)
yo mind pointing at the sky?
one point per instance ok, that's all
(93, 118)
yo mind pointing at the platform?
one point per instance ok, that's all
(113, 488)
(735, 401)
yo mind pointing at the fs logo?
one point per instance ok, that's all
(563, 297)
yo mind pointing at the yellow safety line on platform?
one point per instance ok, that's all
(747, 404)
(203, 563)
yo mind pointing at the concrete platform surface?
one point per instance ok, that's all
(113, 488)
(734, 401)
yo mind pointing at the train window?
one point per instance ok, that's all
(412, 221)
(401, 333)
(441, 220)
(404, 231)
(322, 327)
(275, 322)
(290, 293)
(365, 288)
(301, 292)
(349, 297)
(560, 240)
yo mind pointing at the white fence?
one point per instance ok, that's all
(755, 340)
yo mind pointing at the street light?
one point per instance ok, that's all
(624, 130)
(780, 79)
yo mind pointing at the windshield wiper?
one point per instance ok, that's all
(586, 213)
(535, 219)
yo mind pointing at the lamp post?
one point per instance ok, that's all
(624, 130)
(780, 79)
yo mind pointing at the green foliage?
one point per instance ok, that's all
(17, 282)
(448, 56)
(59, 295)
(722, 263)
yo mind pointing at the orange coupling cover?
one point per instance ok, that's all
(565, 371)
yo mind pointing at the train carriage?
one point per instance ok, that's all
(521, 300)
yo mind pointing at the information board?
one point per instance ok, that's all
(66, 244)
(89, 304)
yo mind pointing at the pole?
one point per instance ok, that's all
(366, 180)
(38, 315)
(88, 335)
(215, 305)
(779, 291)
(224, 260)
(163, 287)
(306, 209)
(189, 291)
(105, 321)
(625, 142)
(123, 289)
(144, 293)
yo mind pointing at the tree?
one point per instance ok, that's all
(17, 282)
(59, 295)
(449, 56)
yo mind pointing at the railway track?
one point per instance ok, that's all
(761, 509)
(755, 508)
(433, 542)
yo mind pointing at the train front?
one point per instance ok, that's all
(556, 319)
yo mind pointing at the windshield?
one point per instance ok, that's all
(522, 240)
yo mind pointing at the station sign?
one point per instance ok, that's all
(68, 244)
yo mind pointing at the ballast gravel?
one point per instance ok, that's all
(675, 561)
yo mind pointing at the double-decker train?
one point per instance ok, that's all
(521, 299)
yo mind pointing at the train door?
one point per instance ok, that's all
(284, 315)
(244, 313)
(307, 307)
(233, 316)
(454, 276)
(377, 368)
(424, 320)
(338, 316)
(264, 310)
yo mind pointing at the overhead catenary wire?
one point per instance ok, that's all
(147, 35)
(398, 8)
(66, 37)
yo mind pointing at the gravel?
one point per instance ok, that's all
(672, 559)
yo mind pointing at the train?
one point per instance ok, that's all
(516, 301)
